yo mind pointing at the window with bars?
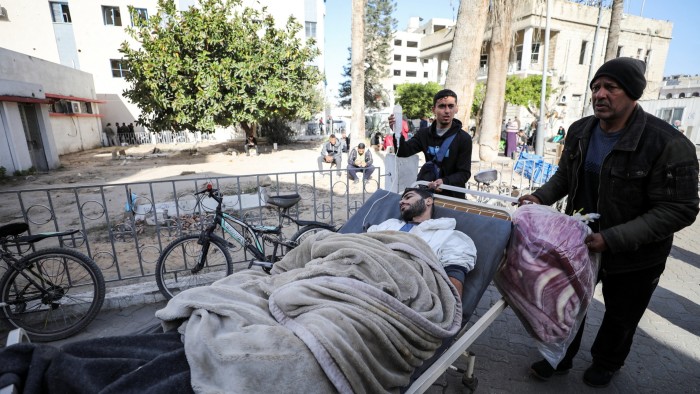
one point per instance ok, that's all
(310, 28)
(60, 12)
(111, 16)
(118, 68)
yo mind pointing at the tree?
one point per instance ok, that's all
(377, 39)
(614, 30)
(217, 65)
(526, 92)
(466, 50)
(416, 98)
(358, 75)
(501, 41)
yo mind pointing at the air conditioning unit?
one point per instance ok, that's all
(75, 107)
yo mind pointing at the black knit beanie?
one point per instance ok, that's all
(626, 71)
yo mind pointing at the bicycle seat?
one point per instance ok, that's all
(486, 176)
(38, 237)
(13, 229)
(285, 201)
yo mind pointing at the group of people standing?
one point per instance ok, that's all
(117, 134)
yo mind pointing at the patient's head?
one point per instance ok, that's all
(416, 204)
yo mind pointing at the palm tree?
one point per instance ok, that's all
(614, 32)
(464, 57)
(501, 18)
(358, 70)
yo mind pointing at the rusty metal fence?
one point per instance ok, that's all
(125, 226)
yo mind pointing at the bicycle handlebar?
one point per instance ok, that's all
(212, 193)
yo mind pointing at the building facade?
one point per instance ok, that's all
(46, 110)
(571, 55)
(86, 35)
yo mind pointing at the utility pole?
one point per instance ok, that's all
(539, 142)
(590, 66)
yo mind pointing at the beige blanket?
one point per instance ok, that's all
(345, 312)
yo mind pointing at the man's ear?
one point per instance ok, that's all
(429, 202)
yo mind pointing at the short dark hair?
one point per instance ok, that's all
(332, 136)
(421, 190)
(361, 145)
(442, 94)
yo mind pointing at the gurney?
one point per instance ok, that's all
(489, 227)
(490, 230)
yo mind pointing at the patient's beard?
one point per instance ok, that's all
(414, 210)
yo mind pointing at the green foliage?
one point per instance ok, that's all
(378, 38)
(218, 65)
(525, 91)
(3, 172)
(416, 99)
(276, 130)
(30, 171)
(479, 94)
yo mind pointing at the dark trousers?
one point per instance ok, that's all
(353, 169)
(626, 296)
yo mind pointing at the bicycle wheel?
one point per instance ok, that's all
(57, 294)
(177, 269)
(307, 231)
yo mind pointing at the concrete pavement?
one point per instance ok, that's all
(665, 356)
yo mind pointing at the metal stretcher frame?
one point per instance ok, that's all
(489, 227)
(490, 252)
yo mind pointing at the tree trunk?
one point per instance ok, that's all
(466, 52)
(614, 30)
(357, 124)
(501, 41)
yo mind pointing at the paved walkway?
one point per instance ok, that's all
(665, 357)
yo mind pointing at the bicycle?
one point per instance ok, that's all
(51, 293)
(199, 259)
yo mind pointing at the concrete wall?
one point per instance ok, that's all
(30, 77)
(690, 122)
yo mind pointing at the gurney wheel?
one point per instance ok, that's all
(470, 383)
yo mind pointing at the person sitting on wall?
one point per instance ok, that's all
(252, 142)
(360, 159)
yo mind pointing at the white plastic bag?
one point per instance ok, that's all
(549, 276)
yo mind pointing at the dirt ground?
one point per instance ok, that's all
(145, 163)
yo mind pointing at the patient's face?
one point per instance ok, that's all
(411, 205)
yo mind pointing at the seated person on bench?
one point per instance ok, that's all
(360, 160)
(331, 152)
(340, 312)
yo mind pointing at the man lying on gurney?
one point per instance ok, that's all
(342, 312)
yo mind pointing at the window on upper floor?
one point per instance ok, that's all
(410, 73)
(639, 53)
(111, 15)
(535, 55)
(669, 95)
(310, 28)
(118, 68)
(138, 16)
(412, 44)
(681, 95)
(695, 94)
(397, 57)
(582, 54)
(647, 57)
(425, 74)
(619, 51)
(397, 43)
(397, 73)
(411, 59)
(670, 114)
(60, 13)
